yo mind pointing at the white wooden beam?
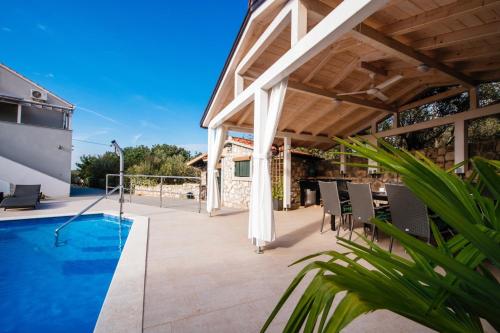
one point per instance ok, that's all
(343, 166)
(256, 16)
(299, 21)
(467, 115)
(406, 53)
(336, 24)
(239, 84)
(460, 149)
(278, 24)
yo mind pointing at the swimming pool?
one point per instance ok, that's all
(48, 288)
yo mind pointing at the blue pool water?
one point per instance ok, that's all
(48, 288)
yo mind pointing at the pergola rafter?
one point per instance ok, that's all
(321, 52)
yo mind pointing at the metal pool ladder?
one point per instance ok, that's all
(56, 232)
(119, 151)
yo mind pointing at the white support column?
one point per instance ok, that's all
(299, 21)
(460, 133)
(343, 167)
(287, 173)
(373, 141)
(267, 112)
(19, 113)
(395, 120)
(216, 138)
(239, 84)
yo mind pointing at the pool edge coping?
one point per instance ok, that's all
(123, 306)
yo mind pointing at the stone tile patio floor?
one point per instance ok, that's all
(203, 274)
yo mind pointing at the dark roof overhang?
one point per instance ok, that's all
(252, 6)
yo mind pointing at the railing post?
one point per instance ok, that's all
(130, 187)
(106, 193)
(161, 191)
(199, 196)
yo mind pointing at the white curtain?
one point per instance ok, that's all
(267, 112)
(216, 138)
(287, 173)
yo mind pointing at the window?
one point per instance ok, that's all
(242, 168)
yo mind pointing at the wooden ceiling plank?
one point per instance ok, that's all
(317, 114)
(469, 53)
(458, 36)
(346, 70)
(372, 68)
(327, 123)
(347, 99)
(338, 48)
(379, 40)
(288, 119)
(445, 13)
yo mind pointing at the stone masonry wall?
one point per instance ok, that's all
(235, 190)
(169, 191)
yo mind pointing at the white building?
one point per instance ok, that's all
(35, 136)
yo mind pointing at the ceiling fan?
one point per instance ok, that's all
(377, 90)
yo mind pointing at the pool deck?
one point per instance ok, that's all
(203, 275)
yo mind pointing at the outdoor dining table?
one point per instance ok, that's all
(381, 196)
(376, 195)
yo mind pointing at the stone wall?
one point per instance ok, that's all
(235, 190)
(169, 191)
(299, 169)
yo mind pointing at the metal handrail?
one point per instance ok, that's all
(56, 232)
(156, 176)
(131, 187)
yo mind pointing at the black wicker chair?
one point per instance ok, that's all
(333, 205)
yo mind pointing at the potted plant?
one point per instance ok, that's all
(277, 193)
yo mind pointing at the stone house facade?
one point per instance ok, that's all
(235, 187)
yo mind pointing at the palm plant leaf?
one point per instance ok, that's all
(446, 287)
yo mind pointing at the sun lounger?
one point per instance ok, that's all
(25, 196)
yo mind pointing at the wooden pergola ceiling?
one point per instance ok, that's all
(429, 43)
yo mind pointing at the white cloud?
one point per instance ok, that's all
(160, 107)
(195, 147)
(136, 138)
(148, 124)
(100, 115)
(49, 75)
(87, 136)
(41, 27)
(6, 29)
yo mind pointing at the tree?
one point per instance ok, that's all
(162, 159)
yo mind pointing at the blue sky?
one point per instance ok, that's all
(140, 72)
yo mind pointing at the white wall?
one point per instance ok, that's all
(15, 173)
(13, 85)
(44, 149)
